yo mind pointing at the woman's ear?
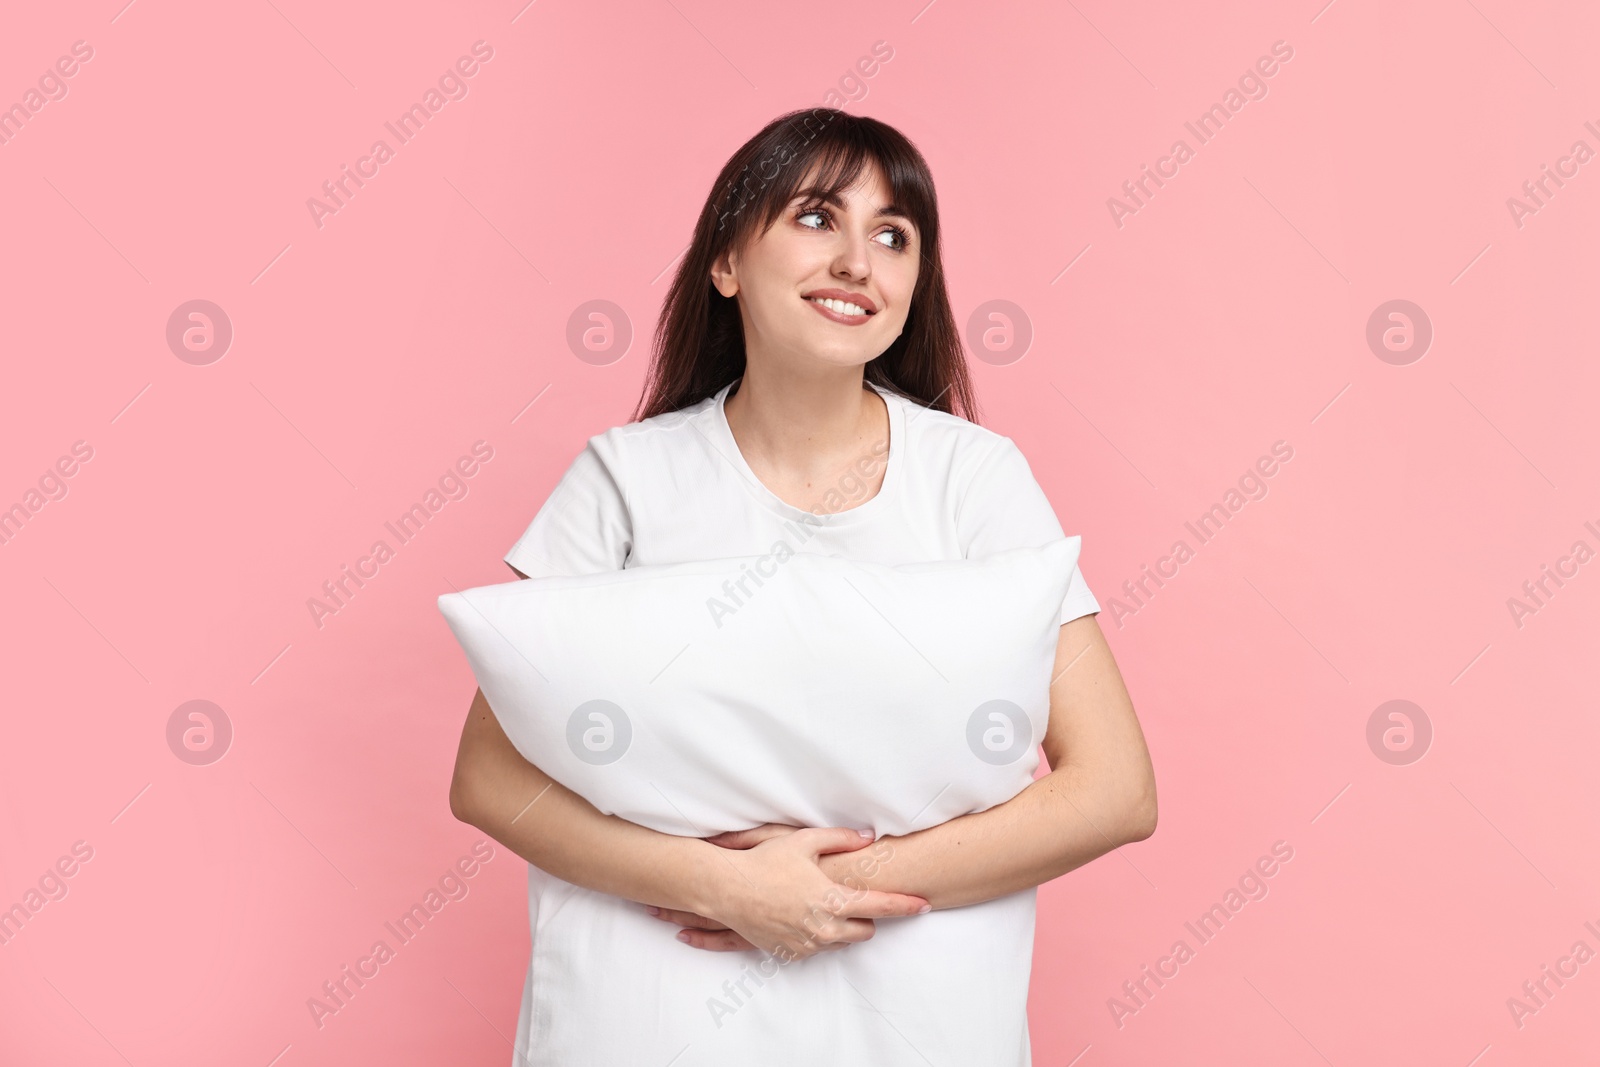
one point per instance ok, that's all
(722, 274)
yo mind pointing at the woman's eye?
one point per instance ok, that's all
(899, 239)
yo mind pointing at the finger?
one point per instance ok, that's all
(874, 904)
(753, 836)
(688, 918)
(714, 940)
(835, 839)
(844, 932)
(856, 930)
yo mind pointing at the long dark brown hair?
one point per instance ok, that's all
(699, 340)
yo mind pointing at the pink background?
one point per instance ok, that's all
(430, 312)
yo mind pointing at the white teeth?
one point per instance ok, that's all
(840, 306)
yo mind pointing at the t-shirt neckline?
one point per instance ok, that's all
(775, 503)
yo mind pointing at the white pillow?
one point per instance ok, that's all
(806, 689)
(813, 690)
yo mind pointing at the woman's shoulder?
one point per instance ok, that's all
(656, 437)
(947, 441)
(996, 499)
(617, 479)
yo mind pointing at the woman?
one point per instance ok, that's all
(807, 370)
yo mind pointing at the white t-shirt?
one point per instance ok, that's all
(675, 488)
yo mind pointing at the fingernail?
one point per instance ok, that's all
(683, 935)
(864, 833)
(925, 909)
(654, 910)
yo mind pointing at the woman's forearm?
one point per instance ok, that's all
(556, 830)
(1056, 824)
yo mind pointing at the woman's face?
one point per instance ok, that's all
(860, 250)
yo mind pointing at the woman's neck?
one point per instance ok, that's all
(796, 433)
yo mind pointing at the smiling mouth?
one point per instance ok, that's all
(841, 308)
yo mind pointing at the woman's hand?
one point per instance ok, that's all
(775, 896)
(730, 942)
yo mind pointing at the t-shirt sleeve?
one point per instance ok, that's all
(584, 526)
(1003, 507)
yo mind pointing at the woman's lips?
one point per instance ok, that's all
(848, 320)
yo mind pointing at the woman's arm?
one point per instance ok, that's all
(774, 895)
(1100, 794)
